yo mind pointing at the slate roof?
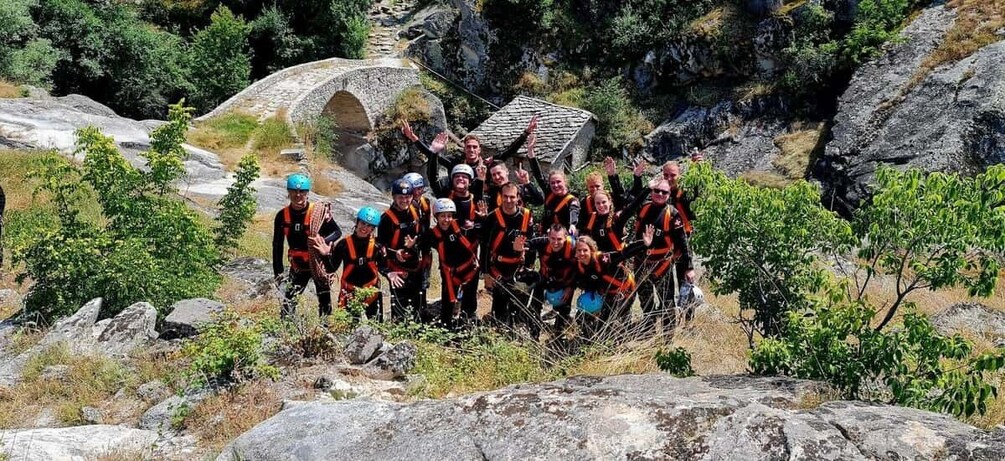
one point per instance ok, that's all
(557, 126)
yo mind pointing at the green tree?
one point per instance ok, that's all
(237, 207)
(150, 246)
(352, 27)
(220, 63)
(763, 243)
(24, 57)
(620, 125)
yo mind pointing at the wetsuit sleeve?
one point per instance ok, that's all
(440, 187)
(637, 187)
(513, 147)
(385, 230)
(628, 252)
(535, 170)
(277, 244)
(434, 158)
(478, 189)
(574, 213)
(531, 194)
(628, 212)
(680, 241)
(617, 191)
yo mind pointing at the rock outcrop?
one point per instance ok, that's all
(620, 417)
(186, 316)
(76, 443)
(894, 113)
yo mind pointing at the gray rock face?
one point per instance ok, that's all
(735, 137)
(395, 363)
(953, 119)
(620, 417)
(455, 41)
(130, 329)
(153, 391)
(187, 315)
(363, 345)
(77, 330)
(76, 443)
(972, 317)
(158, 418)
(255, 273)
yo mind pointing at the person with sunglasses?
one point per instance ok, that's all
(670, 244)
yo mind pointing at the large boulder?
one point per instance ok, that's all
(363, 345)
(620, 417)
(130, 329)
(974, 318)
(76, 443)
(455, 42)
(894, 113)
(188, 315)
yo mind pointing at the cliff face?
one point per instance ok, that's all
(950, 119)
(620, 417)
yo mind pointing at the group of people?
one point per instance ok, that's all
(608, 244)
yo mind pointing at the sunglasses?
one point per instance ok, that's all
(661, 191)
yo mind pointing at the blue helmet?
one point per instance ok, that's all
(298, 181)
(590, 302)
(401, 187)
(369, 215)
(554, 297)
(415, 179)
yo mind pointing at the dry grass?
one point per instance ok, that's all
(10, 90)
(257, 239)
(976, 26)
(411, 105)
(220, 418)
(797, 150)
(88, 382)
(770, 179)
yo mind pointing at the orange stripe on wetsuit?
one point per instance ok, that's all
(368, 261)
(299, 258)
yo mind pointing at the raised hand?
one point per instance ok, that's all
(610, 167)
(697, 155)
(532, 125)
(439, 143)
(318, 243)
(406, 130)
(522, 176)
(519, 243)
(480, 172)
(639, 168)
(531, 141)
(410, 241)
(647, 236)
(483, 208)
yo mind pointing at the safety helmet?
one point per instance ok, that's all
(697, 296)
(463, 169)
(590, 302)
(415, 179)
(298, 181)
(444, 205)
(401, 187)
(369, 215)
(554, 297)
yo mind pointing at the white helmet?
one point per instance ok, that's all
(697, 297)
(463, 169)
(444, 205)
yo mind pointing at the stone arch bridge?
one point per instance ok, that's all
(354, 92)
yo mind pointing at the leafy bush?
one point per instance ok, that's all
(351, 26)
(220, 63)
(924, 231)
(227, 131)
(677, 362)
(238, 205)
(228, 350)
(621, 125)
(149, 247)
(833, 341)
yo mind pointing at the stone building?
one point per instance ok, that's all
(563, 133)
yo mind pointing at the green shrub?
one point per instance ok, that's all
(621, 125)
(149, 247)
(677, 362)
(229, 350)
(238, 205)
